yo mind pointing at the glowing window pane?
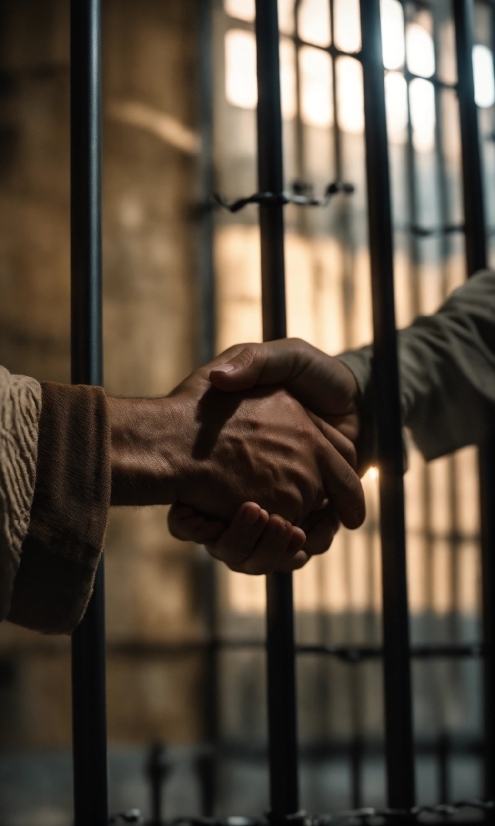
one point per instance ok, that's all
(347, 25)
(286, 16)
(394, 49)
(422, 102)
(350, 95)
(242, 9)
(420, 51)
(241, 88)
(316, 87)
(288, 78)
(314, 21)
(484, 85)
(396, 102)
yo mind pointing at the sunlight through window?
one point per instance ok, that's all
(242, 9)
(286, 16)
(422, 101)
(316, 87)
(288, 78)
(393, 45)
(347, 25)
(396, 103)
(420, 51)
(314, 22)
(484, 85)
(350, 95)
(241, 88)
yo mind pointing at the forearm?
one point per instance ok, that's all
(447, 372)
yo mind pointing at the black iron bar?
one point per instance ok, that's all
(88, 641)
(476, 259)
(397, 677)
(282, 728)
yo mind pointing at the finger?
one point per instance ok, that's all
(270, 548)
(336, 438)
(343, 487)
(318, 381)
(296, 544)
(240, 538)
(186, 524)
(320, 533)
(269, 363)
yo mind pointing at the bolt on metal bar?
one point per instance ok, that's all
(476, 259)
(88, 640)
(280, 615)
(397, 677)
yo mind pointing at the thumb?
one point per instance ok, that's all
(270, 363)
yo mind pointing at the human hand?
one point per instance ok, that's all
(321, 383)
(214, 451)
(253, 543)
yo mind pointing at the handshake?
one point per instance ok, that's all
(255, 451)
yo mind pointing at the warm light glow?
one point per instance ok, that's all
(420, 51)
(316, 87)
(286, 16)
(347, 25)
(350, 95)
(314, 22)
(396, 103)
(242, 9)
(373, 473)
(241, 88)
(484, 84)
(422, 102)
(394, 49)
(288, 78)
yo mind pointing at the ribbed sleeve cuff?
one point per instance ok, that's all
(69, 513)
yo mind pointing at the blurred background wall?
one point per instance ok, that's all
(164, 598)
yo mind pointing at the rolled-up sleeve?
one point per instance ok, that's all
(446, 371)
(61, 550)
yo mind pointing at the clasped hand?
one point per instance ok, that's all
(296, 466)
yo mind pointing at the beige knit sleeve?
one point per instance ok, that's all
(20, 408)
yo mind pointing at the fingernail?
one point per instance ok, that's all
(251, 516)
(223, 368)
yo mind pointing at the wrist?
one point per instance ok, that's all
(144, 451)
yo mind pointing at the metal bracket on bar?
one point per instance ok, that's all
(283, 198)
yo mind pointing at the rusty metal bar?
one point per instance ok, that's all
(88, 641)
(396, 648)
(284, 797)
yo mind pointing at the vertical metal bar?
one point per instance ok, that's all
(397, 677)
(88, 641)
(280, 615)
(207, 762)
(476, 259)
(206, 348)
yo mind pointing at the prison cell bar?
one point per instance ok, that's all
(476, 259)
(282, 734)
(396, 649)
(88, 640)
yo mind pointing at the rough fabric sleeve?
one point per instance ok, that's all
(447, 372)
(69, 514)
(20, 406)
